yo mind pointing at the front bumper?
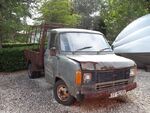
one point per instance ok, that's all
(91, 91)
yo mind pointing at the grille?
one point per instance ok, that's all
(105, 85)
(111, 75)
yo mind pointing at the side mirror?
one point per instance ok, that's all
(53, 51)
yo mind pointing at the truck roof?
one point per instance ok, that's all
(61, 30)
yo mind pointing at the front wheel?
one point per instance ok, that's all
(62, 94)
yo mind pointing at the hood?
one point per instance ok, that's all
(104, 61)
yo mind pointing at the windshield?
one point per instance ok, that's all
(83, 42)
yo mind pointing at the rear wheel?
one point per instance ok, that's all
(32, 74)
(62, 94)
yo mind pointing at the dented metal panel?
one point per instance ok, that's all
(109, 61)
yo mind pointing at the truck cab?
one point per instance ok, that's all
(80, 62)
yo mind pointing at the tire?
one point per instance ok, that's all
(59, 89)
(32, 74)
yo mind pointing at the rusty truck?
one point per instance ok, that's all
(80, 63)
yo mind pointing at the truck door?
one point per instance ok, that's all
(50, 59)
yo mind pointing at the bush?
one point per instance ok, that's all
(12, 57)
(11, 45)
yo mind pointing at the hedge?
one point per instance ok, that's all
(12, 45)
(12, 57)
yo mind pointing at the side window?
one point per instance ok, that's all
(47, 38)
(52, 40)
(64, 43)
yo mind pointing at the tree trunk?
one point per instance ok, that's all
(0, 42)
(0, 45)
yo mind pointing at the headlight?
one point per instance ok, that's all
(87, 66)
(133, 71)
(87, 77)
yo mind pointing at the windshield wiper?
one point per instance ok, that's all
(87, 47)
(103, 49)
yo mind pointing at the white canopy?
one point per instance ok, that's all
(135, 38)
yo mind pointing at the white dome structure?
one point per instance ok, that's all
(134, 41)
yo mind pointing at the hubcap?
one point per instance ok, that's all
(62, 92)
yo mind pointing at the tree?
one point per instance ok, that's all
(10, 14)
(86, 8)
(59, 11)
(117, 14)
(99, 25)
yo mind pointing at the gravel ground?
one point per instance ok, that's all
(19, 94)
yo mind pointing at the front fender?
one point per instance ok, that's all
(66, 71)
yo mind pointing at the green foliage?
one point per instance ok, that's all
(12, 57)
(86, 8)
(99, 25)
(16, 39)
(12, 45)
(11, 12)
(59, 11)
(117, 14)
